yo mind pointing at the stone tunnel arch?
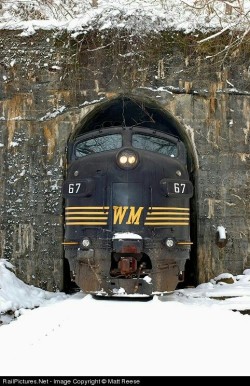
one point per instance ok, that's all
(131, 111)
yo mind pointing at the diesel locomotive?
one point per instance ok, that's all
(127, 210)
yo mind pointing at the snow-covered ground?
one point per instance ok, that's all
(189, 332)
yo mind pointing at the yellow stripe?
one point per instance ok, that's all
(86, 223)
(104, 213)
(85, 218)
(184, 243)
(70, 243)
(167, 213)
(86, 207)
(166, 207)
(166, 223)
(167, 218)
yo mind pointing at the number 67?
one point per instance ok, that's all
(74, 188)
(179, 188)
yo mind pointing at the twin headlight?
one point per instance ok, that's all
(127, 159)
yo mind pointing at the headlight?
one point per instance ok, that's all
(127, 159)
(169, 242)
(86, 242)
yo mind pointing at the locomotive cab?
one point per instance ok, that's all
(127, 214)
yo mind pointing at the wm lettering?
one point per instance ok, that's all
(128, 214)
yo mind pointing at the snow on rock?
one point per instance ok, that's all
(224, 285)
(15, 294)
(137, 16)
(225, 278)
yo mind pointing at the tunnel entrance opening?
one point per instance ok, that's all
(129, 111)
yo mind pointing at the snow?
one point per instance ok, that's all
(15, 295)
(137, 16)
(222, 232)
(126, 235)
(187, 332)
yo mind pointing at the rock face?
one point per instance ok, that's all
(50, 82)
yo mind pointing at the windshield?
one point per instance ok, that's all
(154, 144)
(98, 145)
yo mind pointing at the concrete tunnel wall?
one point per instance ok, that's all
(49, 83)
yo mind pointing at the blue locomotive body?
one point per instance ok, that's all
(127, 211)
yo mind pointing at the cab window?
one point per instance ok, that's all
(98, 145)
(154, 144)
